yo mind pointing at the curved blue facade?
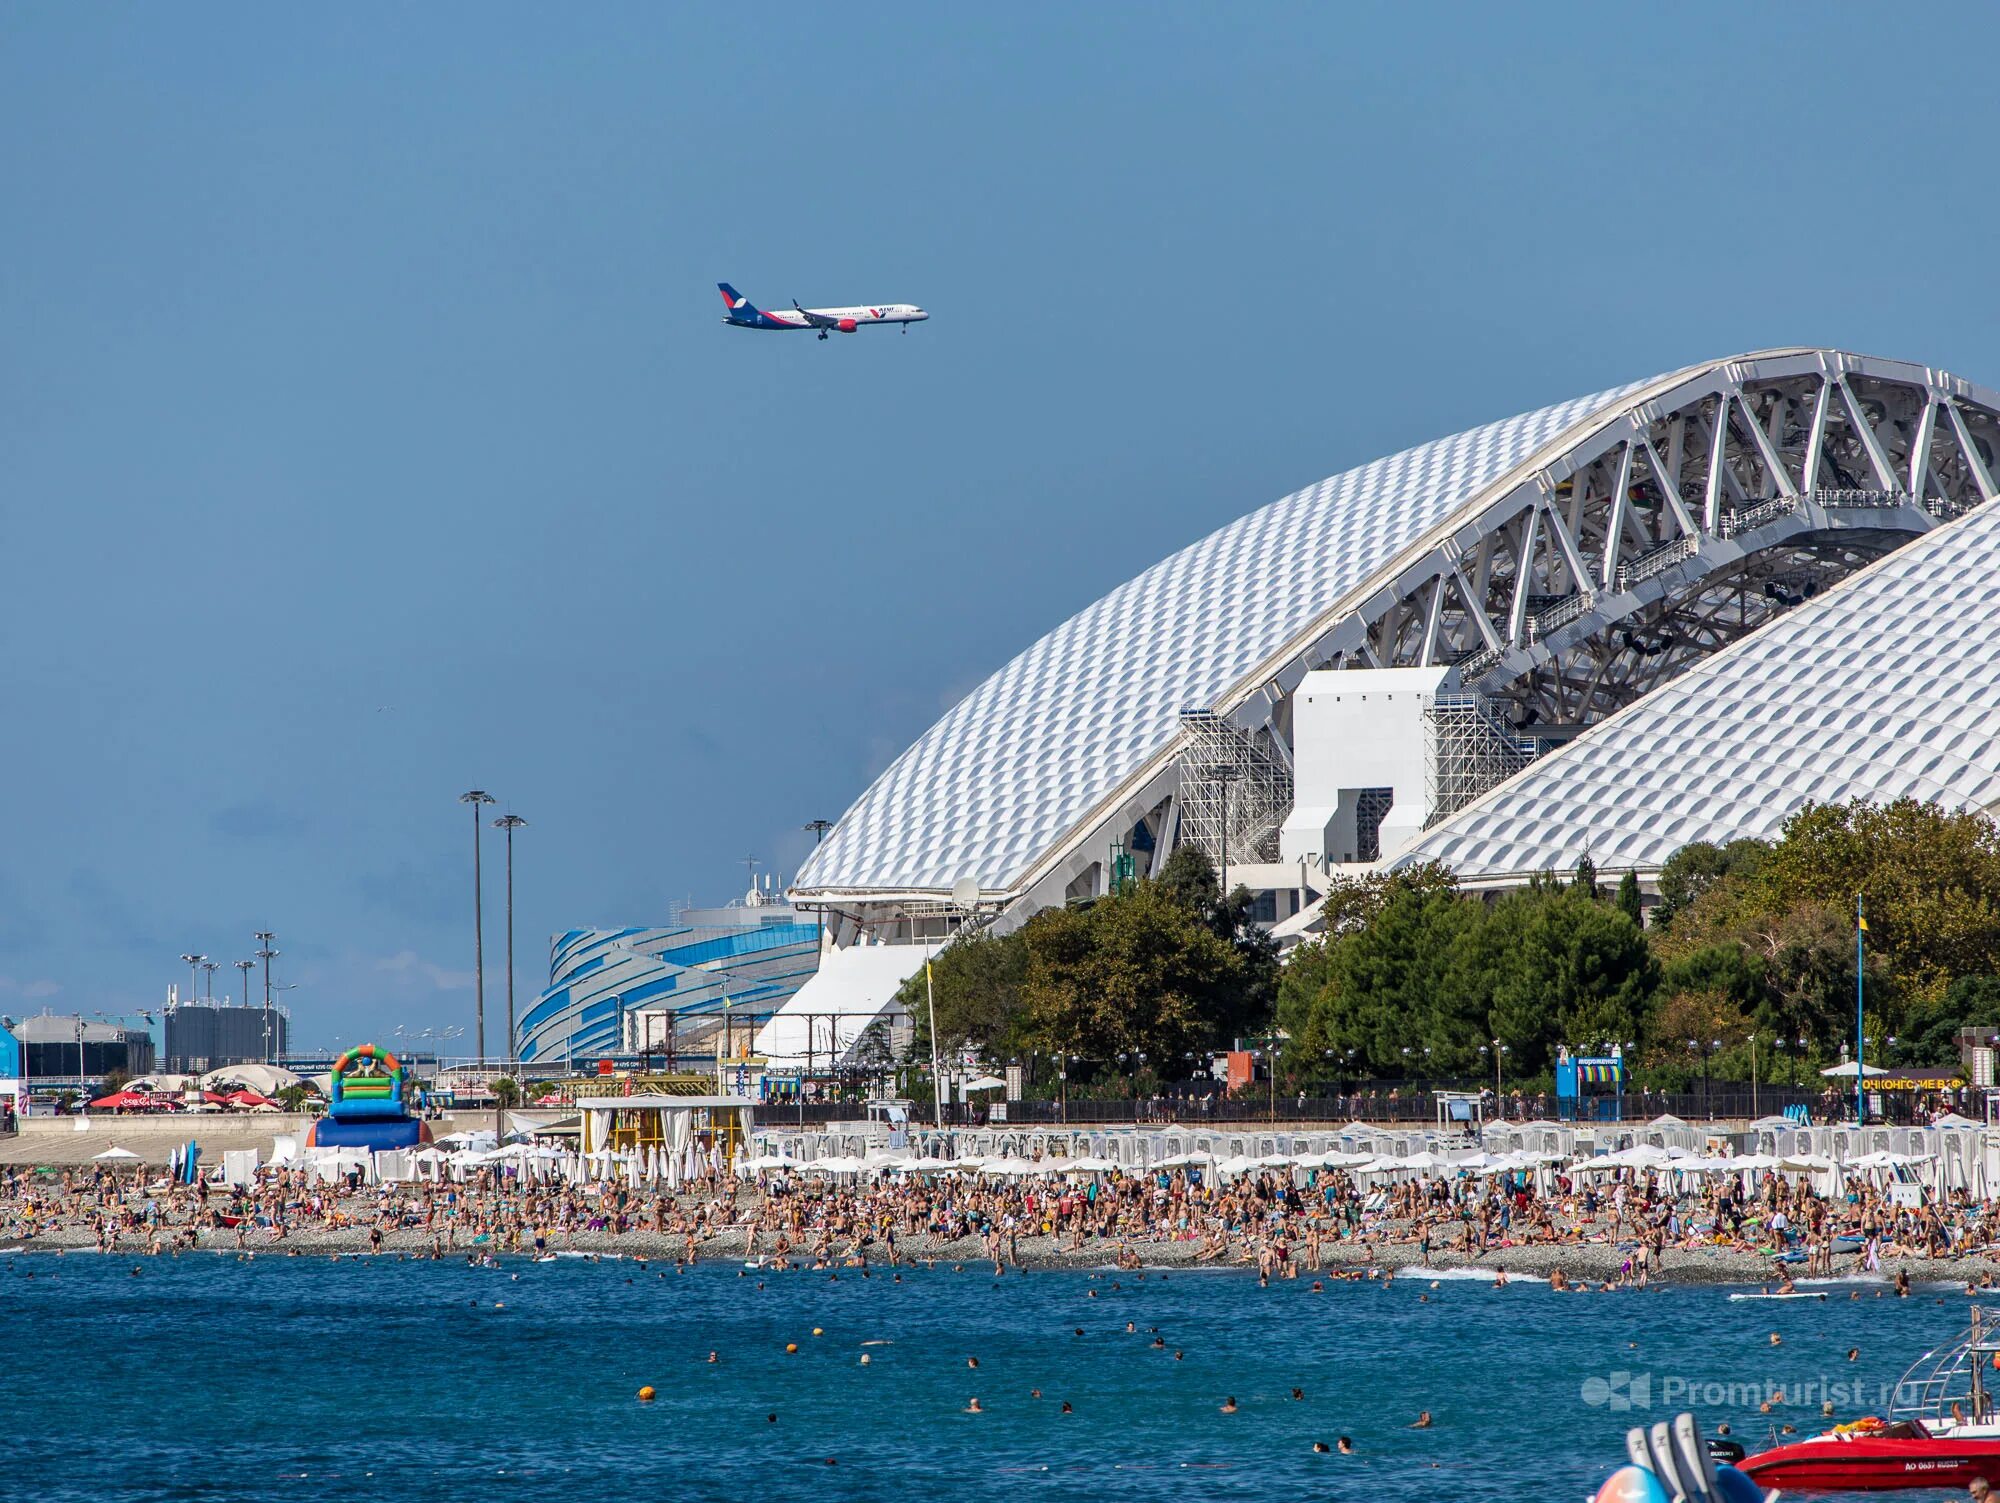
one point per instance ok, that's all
(603, 981)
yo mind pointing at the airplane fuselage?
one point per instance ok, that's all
(744, 315)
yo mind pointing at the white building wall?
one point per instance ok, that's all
(1354, 730)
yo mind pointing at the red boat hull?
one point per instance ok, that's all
(1875, 1463)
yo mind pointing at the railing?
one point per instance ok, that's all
(1472, 665)
(1656, 561)
(1749, 518)
(1847, 497)
(1560, 614)
(1398, 1103)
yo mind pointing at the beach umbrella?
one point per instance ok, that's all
(115, 1155)
(1846, 1071)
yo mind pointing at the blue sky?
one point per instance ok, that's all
(368, 431)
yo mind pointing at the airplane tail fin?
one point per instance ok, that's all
(740, 308)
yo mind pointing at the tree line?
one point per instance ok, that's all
(1748, 954)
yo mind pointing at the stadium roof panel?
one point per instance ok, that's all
(1886, 686)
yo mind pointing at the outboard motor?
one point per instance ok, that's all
(1672, 1464)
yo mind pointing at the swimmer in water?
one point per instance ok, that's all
(1423, 1421)
(1229, 1405)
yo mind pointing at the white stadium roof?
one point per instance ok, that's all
(1887, 686)
(1030, 752)
(1566, 564)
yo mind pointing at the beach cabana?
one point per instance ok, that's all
(671, 1124)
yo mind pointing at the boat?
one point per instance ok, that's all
(1943, 1431)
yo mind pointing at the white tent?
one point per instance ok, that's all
(265, 1080)
(822, 1020)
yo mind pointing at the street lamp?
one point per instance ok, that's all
(246, 967)
(193, 963)
(211, 967)
(510, 823)
(476, 797)
(267, 953)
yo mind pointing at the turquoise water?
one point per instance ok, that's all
(206, 1378)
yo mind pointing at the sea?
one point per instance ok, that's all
(207, 1377)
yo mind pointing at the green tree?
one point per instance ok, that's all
(1556, 967)
(1931, 878)
(1629, 902)
(1930, 1034)
(874, 1055)
(1698, 866)
(1133, 973)
(1187, 880)
(977, 980)
(1392, 987)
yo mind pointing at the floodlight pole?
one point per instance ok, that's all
(510, 823)
(1860, 1038)
(476, 797)
(937, 1078)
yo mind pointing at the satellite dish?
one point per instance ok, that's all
(965, 892)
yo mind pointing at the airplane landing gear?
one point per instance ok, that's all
(822, 333)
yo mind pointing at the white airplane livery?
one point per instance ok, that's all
(743, 315)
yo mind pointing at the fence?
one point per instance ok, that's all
(1384, 1102)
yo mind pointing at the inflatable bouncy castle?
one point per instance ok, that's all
(365, 1107)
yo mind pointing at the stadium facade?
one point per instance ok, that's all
(1544, 637)
(663, 990)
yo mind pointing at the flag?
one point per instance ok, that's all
(1862, 922)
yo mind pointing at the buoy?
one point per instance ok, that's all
(818, 1332)
(791, 1346)
(864, 1359)
(646, 1394)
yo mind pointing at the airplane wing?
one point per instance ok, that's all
(815, 320)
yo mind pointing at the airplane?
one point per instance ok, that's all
(743, 315)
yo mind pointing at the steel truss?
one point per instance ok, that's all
(1470, 751)
(1674, 528)
(1230, 779)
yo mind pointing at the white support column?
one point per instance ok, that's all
(1433, 615)
(1614, 527)
(1718, 450)
(1767, 452)
(1816, 441)
(1878, 457)
(1669, 488)
(1524, 569)
(1920, 449)
(1971, 452)
(1579, 571)
(1477, 612)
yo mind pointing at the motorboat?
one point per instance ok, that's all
(1874, 1456)
(1943, 1431)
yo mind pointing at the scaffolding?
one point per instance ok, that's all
(1231, 781)
(1471, 750)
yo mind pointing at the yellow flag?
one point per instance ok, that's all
(1863, 923)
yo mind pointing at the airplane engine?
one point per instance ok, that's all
(846, 326)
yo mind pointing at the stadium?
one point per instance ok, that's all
(1671, 611)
